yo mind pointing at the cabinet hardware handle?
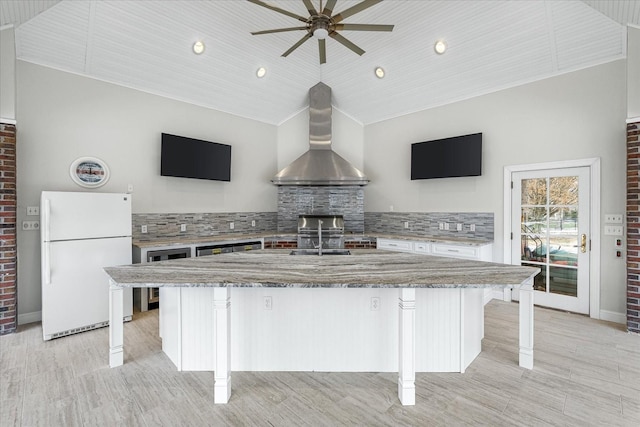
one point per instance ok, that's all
(583, 243)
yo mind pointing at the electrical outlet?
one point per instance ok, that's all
(459, 227)
(446, 225)
(267, 303)
(130, 188)
(472, 227)
(183, 227)
(33, 210)
(253, 222)
(375, 303)
(30, 225)
(441, 226)
(143, 228)
(406, 224)
(613, 218)
(390, 208)
(231, 226)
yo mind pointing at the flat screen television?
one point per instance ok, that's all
(194, 158)
(449, 157)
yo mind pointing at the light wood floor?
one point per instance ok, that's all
(586, 372)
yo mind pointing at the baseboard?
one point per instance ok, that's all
(612, 316)
(25, 318)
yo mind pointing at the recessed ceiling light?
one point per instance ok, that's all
(379, 72)
(198, 47)
(261, 72)
(440, 47)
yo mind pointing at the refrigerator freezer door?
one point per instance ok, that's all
(73, 215)
(75, 288)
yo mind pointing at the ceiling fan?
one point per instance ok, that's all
(322, 23)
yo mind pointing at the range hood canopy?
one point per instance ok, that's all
(320, 165)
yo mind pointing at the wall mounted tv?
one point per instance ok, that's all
(194, 158)
(449, 157)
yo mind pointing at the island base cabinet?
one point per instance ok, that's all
(320, 329)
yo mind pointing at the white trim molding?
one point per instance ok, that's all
(8, 121)
(633, 120)
(594, 167)
(35, 316)
(612, 316)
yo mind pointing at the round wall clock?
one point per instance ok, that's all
(89, 172)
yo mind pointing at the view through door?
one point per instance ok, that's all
(550, 229)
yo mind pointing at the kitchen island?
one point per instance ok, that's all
(209, 282)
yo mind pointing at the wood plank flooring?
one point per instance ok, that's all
(586, 372)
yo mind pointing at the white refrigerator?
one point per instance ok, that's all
(81, 233)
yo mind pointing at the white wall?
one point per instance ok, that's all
(63, 116)
(633, 71)
(574, 116)
(7, 74)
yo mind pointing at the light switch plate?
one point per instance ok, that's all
(613, 230)
(613, 218)
(33, 210)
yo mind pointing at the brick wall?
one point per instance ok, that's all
(8, 299)
(633, 227)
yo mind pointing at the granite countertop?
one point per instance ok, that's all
(362, 269)
(183, 241)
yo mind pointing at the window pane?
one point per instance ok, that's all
(534, 191)
(563, 190)
(563, 280)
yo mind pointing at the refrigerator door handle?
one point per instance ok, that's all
(47, 263)
(47, 219)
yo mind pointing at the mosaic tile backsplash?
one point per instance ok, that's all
(420, 224)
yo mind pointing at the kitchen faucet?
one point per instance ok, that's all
(319, 237)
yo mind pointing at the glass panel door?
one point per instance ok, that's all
(550, 210)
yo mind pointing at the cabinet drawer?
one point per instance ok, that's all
(395, 245)
(422, 247)
(455, 251)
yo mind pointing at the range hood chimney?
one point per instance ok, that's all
(320, 165)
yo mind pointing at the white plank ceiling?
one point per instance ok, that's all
(492, 45)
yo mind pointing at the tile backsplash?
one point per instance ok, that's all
(419, 224)
(167, 225)
(427, 224)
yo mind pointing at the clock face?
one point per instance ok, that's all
(89, 172)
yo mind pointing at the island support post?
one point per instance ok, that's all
(222, 344)
(526, 324)
(116, 325)
(407, 347)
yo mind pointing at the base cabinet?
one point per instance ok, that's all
(327, 330)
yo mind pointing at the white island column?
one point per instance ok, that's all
(222, 344)
(526, 324)
(116, 325)
(407, 347)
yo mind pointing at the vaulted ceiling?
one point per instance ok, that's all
(147, 45)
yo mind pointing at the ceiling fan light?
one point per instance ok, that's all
(198, 47)
(320, 33)
(379, 72)
(261, 72)
(440, 47)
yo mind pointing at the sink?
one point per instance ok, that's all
(324, 252)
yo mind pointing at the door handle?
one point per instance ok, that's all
(583, 243)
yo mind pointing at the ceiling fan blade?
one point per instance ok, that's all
(310, 8)
(322, 46)
(278, 30)
(363, 27)
(328, 8)
(339, 38)
(354, 9)
(277, 9)
(298, 43)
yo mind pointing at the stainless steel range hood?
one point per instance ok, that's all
(320, 165)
